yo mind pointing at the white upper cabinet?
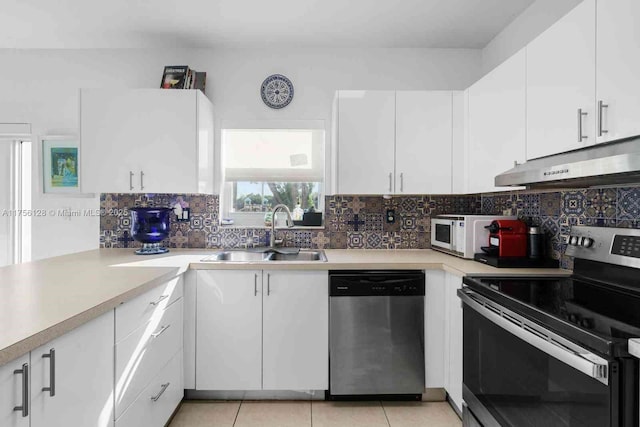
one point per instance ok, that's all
(618, 69)
(396, 142)
(561, 114)
(366, 142)
(72, 377)
(496, 124)
(146, 140)
(423, 142)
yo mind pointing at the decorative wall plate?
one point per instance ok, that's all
(276, 91)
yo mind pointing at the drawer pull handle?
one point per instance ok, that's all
(25, 390)
(162, 329)
(162, 298)
(52, 372)
(163, 388)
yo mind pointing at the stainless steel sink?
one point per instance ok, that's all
(300, 256)
(269, 255)
(237, 256)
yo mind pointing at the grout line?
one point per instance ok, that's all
(237, 413)
(385, 414)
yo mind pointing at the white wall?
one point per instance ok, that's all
(41, 87)
(526, 27)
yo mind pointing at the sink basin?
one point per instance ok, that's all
(300, 256)
(237, 256)
(266, 256)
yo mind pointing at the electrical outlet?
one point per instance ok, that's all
(184, 216)
(391, 216)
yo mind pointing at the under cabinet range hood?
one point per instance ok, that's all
(611, 163)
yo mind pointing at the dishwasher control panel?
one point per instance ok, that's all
(376, 283)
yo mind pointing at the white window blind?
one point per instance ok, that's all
(273, 155)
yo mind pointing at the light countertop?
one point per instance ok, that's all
(45, 299)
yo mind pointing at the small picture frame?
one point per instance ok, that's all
(60, 164)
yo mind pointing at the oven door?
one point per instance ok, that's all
(516, 373)
(443, 234)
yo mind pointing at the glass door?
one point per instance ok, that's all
(15, 190)
(523, 382)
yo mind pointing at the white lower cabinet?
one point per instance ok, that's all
(229, 330)
(158, 400)
(141, 355)
(72, 377)
(295, 331)
(14, 393)
(434, 328)
(260, 330)
(453, 340)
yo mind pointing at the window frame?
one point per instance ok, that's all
(226, 188)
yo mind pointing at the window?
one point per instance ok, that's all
(265, 167)
(15, 201)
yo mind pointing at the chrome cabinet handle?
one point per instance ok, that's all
(268, 284)
(255, 285)
(601, 107)
(163, 388)
(24, 407)
(52, 372)
(162, 329)
(141, 180)
(130, 180)
(390, 179)
(162, 298)
(401, 182)
(581, 114)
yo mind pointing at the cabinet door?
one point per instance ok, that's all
(14, 383)
(454, 340)
(496, 124)
(366, 142)
(560, 82)
(150, 132)
(296, 330)
(434, 329)
(618, 68)
(423, 142)
(77, 371)
(229, 330)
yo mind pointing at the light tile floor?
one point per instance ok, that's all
(315, 414)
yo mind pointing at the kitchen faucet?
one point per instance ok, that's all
(272, 236)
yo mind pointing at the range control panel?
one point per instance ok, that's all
(626, 246)
(620, 246)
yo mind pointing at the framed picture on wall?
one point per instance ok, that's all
(60, 164)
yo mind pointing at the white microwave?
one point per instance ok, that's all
(461, 235)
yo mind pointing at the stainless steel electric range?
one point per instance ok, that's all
(554, 351)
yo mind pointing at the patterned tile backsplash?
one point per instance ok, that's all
(353, 222)
(555, 212)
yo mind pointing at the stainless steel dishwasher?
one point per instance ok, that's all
(376, 335)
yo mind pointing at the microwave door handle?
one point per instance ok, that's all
(584, 361)
(452, 237)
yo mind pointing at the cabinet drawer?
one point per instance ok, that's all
(133, 314)
(141, 355)
(154, 413)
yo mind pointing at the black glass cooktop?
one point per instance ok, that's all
(595, 315)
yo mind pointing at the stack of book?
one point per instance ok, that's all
(183, 77)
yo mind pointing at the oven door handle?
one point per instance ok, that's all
(544, 340)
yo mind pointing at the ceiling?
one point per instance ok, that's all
(254, 23)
